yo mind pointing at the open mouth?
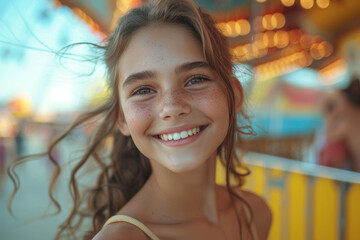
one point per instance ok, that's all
(181, 135)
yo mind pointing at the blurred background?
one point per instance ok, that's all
(298, 61)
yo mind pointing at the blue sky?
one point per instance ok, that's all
(31, 31)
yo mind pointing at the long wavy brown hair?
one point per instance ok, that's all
(123, 168)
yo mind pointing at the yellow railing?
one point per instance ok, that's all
(308, 202)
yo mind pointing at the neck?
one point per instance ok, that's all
(188, 195)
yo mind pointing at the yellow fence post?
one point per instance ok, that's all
(352, 213)
(275, 201)
(308, 202)
(297, 190)
(326, 210)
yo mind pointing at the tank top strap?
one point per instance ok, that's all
(133, 221)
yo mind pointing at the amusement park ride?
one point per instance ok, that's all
(274, 36)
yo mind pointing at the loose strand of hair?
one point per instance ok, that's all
(103, 130)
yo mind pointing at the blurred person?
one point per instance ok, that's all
(20, 140)
(342, 119)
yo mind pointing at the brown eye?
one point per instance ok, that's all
(142, 91)
(196, 80)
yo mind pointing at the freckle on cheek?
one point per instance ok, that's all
(136, 112)
(215, 99)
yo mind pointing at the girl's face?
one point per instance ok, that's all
(174, 105)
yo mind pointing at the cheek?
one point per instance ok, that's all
(215, 103)
(137, 116)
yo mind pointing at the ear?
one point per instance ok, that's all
(238, 93)
(123, 127)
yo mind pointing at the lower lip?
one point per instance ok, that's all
(181, 142)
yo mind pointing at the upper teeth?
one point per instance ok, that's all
(179, 135)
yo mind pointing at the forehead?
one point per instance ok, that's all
(159, 47)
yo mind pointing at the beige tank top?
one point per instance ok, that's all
(133, 221)
(148, 232)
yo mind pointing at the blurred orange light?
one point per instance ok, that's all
(323, 3)
(232, 28)
(273, 22)
(307, 4)
(301, 62)
(237, 28)
(239, 51)
(266, 22)
(228, 30)
(234, 52)
(281, 39)
(124, 6)
(88, 20)
(281, 66)
(247, 50)
(135, 3)
(294, 35)
(280, 20)
(321, 49)
(222, 28)
(328, 48)
(269, 39)
(316, 52)
(288, 3)
(330, 74)
(20, 106)
(244, 26)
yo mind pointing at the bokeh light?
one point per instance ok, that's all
(323, 3)
(288, 3)
(307, 4)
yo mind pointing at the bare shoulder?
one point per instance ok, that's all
(257, 203)
(120, 231)
(262, 216)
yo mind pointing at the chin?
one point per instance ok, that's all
(185, 164)
(182, 168)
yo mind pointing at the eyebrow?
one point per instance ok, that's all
(138, 76)
(190, 66)
(149, 74)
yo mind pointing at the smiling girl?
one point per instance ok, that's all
(172, 113)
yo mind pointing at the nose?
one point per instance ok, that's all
(174, 105)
